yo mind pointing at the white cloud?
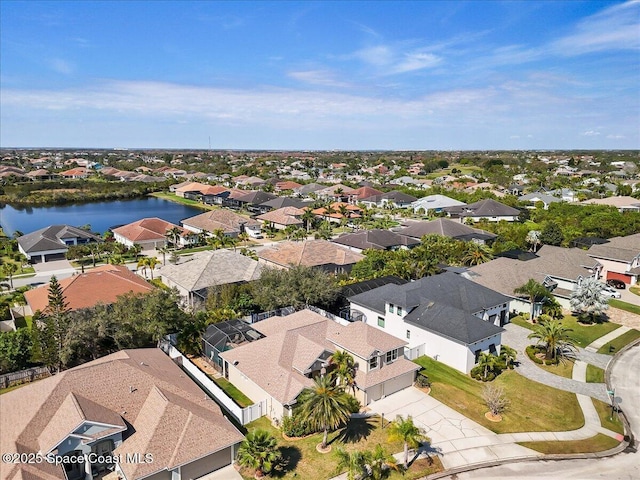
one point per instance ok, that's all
(317, 77)
(61, 66)
(616, 137)
(378, 56)
(416, 61)
(514, 136)
(590, 133)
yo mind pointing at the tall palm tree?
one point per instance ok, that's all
(173, 234)
(308, 217)
(152, 262)
(142, 264)
(136, 248)
(353, 462)
(164, 250)
(533, 290)
(555, 337)
(405, 430)
(9, 269)
(259, 450)
(324, 406)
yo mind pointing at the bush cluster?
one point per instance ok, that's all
(533, 350)
(295, 426)
(423, 381)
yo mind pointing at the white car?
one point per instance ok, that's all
(610, 292)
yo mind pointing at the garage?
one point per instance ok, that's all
(619, 276)
(393, 385)
(205, 465)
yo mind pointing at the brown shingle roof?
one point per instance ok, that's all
(283, 216)
(145, 229)
(310, 253)
(101, 285)
(225, 220)
(170, 415)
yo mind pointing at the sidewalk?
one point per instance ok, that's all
(598, 343)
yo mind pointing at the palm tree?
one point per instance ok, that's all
(308, 217)
(343, 368)
(588, 298)
(555, 338)
(475, 254)
(173, 234)
(324, 406)
(406, 431)
(508, 354)
(353, 462)
(152, 262)
(8, 269)
(259, 451)
(533, 290)
(164, 250)
(136, 248)
(142, 264)
(243, 237)
(299, 234)
(487, 361)
(380, 463)
(249, 253)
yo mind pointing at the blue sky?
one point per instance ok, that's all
(321, 75)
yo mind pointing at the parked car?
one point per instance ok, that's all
(619, 284)
(610, 292)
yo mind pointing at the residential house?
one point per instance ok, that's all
(336, 193)
(445, 316)
(229, 222)
(434, 204)
(488, 209)
(252, 201)
(247, 181)
(282, 217)
(310, 253)
(41, 175)
(619, 257)
(103, 284)
(78, 172)
(195, 274)
(297, 348)
(135, 407)
(446, 228)
(376, 239)
(286, 185)
(149, 233)
(334, 214)
(536, 197)
(306, 191)
(623, 204)
(363, 192)
(51, 243)
(392, 199)
(281, 202)
(559, 269)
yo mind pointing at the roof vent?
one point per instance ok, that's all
(132, 389)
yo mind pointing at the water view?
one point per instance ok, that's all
(100, 215)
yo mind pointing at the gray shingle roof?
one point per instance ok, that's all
(51, 238)
(446, 228)
(618, 248)
(484, 208)
(377, 239)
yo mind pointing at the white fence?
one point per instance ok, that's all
(413, 353)
(242, 415)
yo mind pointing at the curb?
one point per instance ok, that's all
(628, 441)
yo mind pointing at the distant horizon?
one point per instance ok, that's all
(319, 76)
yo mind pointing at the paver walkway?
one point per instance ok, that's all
(516, 337)
(599, 342)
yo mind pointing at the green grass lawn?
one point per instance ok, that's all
(604, 412)
(627, 307)
(521, 322)
(594, 374)
(361, 434)
(599, 443)
(619, 342)
(563, 369)
(582, 334)
(534, 407)
(185, 201)
(240, 398)
(635, 290)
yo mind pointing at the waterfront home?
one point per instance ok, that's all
(232, 224)
(52, 243)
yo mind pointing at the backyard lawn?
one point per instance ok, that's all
(230, 389)
(361, 434)
(534, 407)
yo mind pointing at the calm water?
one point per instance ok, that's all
(100, 215)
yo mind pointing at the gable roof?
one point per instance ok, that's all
(283, 216)
(256, 198)
(394, 196)
(617, 248)
(212, 267)
(102, 284)
(309, 188)
(446, 228)
(222, 219)
(484, 208)
(281, 202)
(436, 202)
(365, 192)
(52, 238)
(444, 303)
(377, 239)
(309, 253)
(276, 363)
(169, 413)
(146, 229)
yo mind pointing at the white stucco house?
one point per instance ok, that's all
(445, 316)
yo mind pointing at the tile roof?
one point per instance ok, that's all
(51, 238)
(100, 285)
(310, 253)
(377, 239)
(222, 219)
(145, 229)
(365, 192)
(213, 267)
(143, 388)
(293, 343)
(283, 216)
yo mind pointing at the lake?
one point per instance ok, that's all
(100, 215)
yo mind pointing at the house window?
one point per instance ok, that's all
(391, 307)
(492, 349)
(373, 363)
(399, 311)
(381, 322)
(408, 334)
(492, 318)
(392, 355)
(477, 355)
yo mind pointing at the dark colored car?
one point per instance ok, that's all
(619, 284)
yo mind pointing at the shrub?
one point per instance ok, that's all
(533, 350)
(354, 404)
(422, 381)
(478, 374)
(295, 426)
